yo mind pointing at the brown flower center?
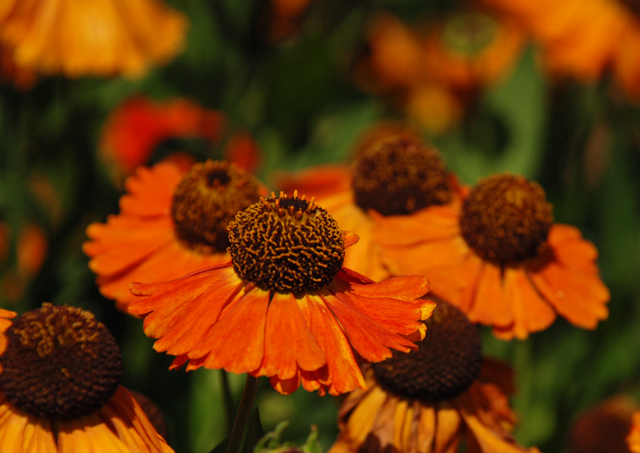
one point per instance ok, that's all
(207, 198)
(398, 176)
(447, 362)
(286, 244)
(60, 363)
(506, 219)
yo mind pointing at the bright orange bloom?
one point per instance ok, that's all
(118, 425)
(604, 427)
(436, 399)
(499, 257)
(414, 178)
(583, 38)
(286, 275)
(139, 125)
(633, 440)
(97, 38)
(142, 242)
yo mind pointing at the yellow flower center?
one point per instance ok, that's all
(207, 198)
(506, 219)
(60, 363)
(286, 244)
(447, 362)
(399, 176)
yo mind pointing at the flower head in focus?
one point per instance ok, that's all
(171, 222)
(284, 307)
(499, 257)
(440, 397)
(392, 173)
(60, 387)
(97, 38)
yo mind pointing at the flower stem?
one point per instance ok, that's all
(244, 411)
(228, 401)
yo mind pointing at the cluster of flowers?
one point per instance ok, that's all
(200, 251)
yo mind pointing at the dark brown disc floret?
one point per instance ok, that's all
(506, 219)
(398, 176)
(207, 198)
(447, 362)
(60, 363)
(286, 244)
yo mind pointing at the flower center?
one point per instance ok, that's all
(286, 244)
(447, 362)
(207, 198)
(60, 363)
(506, 219)
(398, 176)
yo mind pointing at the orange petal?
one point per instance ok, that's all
(531, 312)
(490, 304)
(571, 250)
(579, 296)
(236, 341)
(124, 242)
(448, 429)
(367, 337)
(430, 224)
(344, 372)
(283, 354)
(150, 190)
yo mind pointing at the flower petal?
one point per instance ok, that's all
(490, 306)
(150, 190)
(285, 353)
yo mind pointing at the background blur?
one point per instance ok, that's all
(495, 85)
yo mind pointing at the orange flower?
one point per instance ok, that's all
(434, 75)
(172, 222)
(392, 173)
(583, 38)
(633, 440)
(285, 275)
(604, 427)
(435, 399)
(499, 257)
(97, 38)
(139, 125)
(66, 396)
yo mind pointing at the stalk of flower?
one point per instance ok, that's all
(286, 275)
(60, 387)
(392, 173)
(435, 399)
(500, 258)
(172, 222)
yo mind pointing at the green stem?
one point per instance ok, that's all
(227, 400)
(244, 411)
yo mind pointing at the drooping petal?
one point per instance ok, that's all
(236, 341)
(289, 343)
(531, 313)
(490, 305)
(579, 296)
